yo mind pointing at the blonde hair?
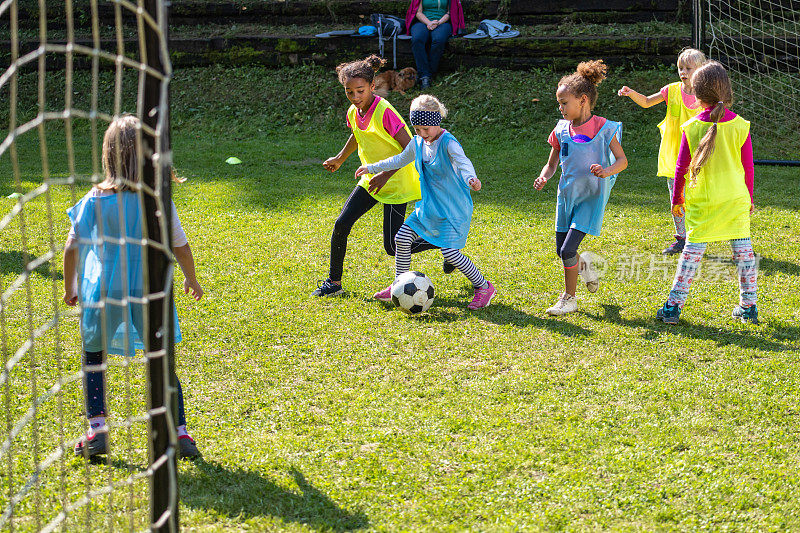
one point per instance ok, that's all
(428, 102)
(120, 159)
(585, 80)
(711, 86)
(691, 58)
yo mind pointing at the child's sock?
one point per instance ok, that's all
(465, 266)
(96, 423)
(182, 431)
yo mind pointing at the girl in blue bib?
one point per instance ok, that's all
(442, 217)
(104, 272)
(588, 149)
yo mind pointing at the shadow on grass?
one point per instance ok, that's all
(722, 337)
(245, 494)
(13, 262)
(777, 266)
(449, 309)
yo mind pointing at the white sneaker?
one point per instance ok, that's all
(565, 304)
(588, 273)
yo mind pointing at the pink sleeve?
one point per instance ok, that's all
(665, 92)
(681, 168)
(747, 163)
(552, 140)
(391, 122)
(347, 118)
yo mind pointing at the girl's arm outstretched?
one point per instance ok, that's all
(380, 179)
(639, 98)
(619, 165)
(398, 161)
(333, 163)
(547, 170)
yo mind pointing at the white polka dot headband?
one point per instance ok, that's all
(425, 118)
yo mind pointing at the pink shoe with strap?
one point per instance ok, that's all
(385, 295)
(482, 296)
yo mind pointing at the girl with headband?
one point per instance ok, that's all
(442, 217)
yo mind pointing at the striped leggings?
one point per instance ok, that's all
(689, 263)
(402, 260)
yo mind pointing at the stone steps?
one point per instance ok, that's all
(518, 12)
(560, 53)
(277, 51)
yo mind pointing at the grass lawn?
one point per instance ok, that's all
(344, 414)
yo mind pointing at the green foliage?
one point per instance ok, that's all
(343, 414)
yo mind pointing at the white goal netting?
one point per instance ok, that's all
(759, 42)
(68, 69)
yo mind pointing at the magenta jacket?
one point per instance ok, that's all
(456, 15)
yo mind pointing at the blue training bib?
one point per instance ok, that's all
(111, 273)
(443, 215)
(582, 196)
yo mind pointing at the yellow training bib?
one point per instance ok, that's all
(677, 114)
(718, 206)
(375, 144)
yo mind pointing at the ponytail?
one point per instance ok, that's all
(711, 84)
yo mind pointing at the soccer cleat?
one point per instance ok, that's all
(187, 449)
(448, 268)
(327, 288)
(385, 295)
(668, 314)
(675, 248)
(746, 314)
(92, 444)
(565, 304)
(589, 275)
(483, 297)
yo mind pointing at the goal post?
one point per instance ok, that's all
(160, 335)
(758, 41)
(68, 72)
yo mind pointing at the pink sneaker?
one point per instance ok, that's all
(385, 295)
(482, 296)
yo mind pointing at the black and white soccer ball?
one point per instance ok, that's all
(413, 292)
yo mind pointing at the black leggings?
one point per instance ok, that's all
(359, 202)
(567, 243)
(94, 389)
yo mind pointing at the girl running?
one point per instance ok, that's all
(590, 154)
(378, 132)
(717, 153)
(442, 217)
(681, 106)
(103, 270)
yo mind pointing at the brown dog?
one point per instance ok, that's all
(393, 80)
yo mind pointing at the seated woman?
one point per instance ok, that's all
(430, 24)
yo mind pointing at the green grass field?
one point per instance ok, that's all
(344, 414)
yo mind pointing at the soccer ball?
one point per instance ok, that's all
(412, 292)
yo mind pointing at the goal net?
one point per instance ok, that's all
(759, 42)
(69, 69)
